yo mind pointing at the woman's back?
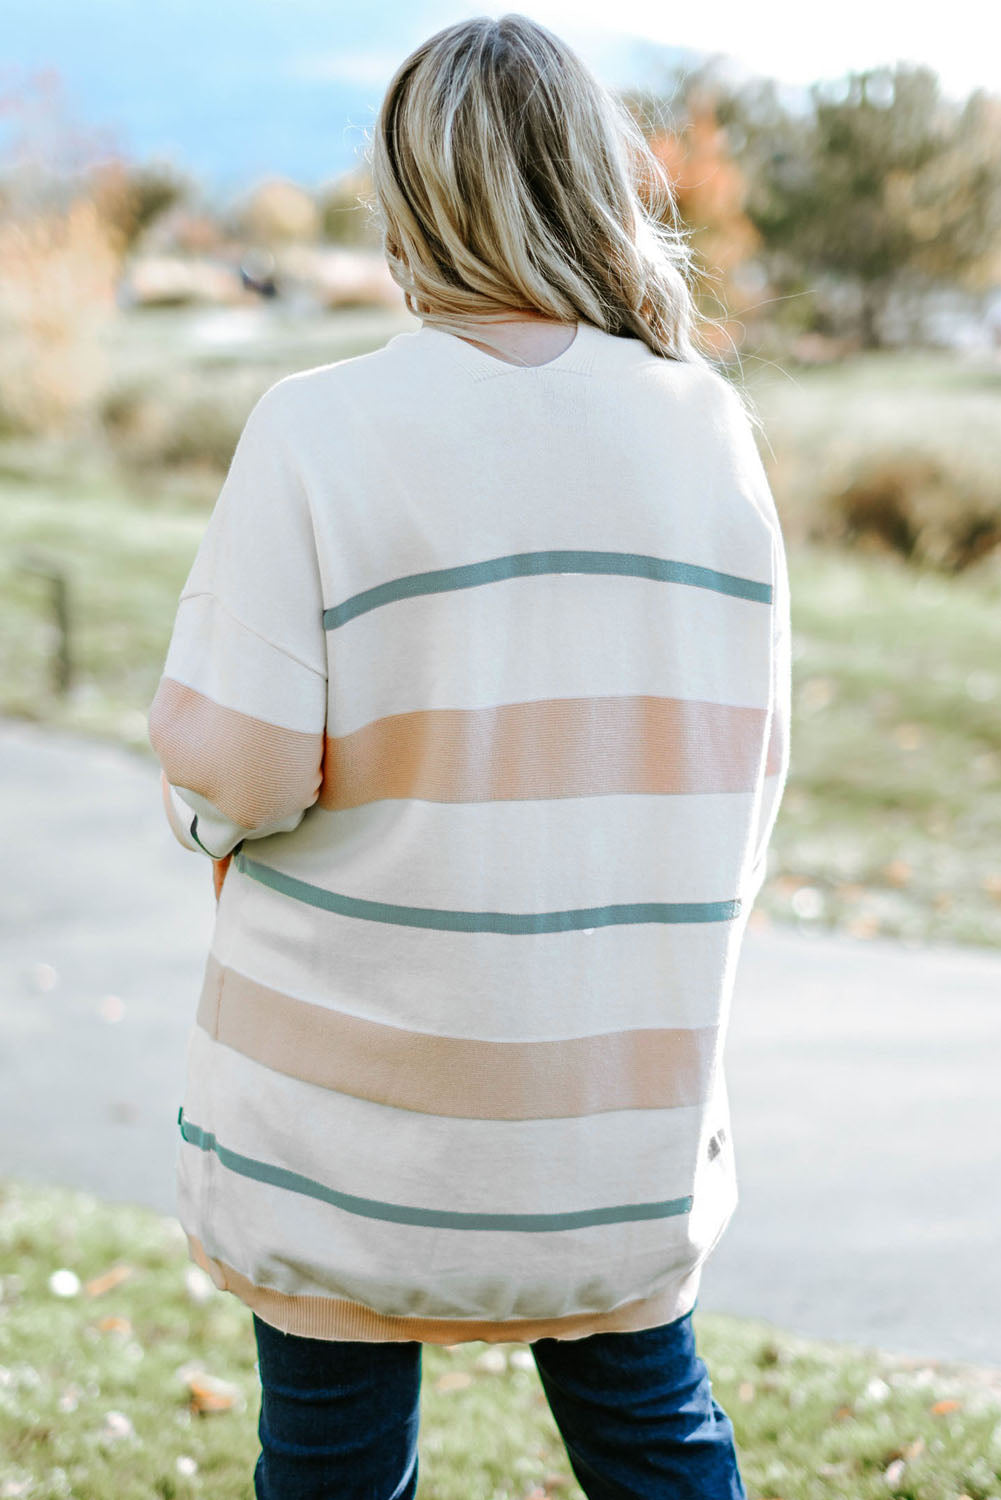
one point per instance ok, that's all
(482, 670)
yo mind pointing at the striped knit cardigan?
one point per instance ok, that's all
(481, 674)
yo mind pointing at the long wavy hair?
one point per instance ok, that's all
(508, 181)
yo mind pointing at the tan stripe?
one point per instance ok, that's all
(340, 1318)
(556, 747)
(652, 1068)
(252, 771)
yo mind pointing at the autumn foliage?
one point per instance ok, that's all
(710, 189)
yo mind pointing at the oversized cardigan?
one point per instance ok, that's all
(481, 674)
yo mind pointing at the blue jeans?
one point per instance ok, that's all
(635, 1410)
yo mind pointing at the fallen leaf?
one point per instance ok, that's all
(64, 1283)
(113, 1324)
(453, 1380)
(816, 693)
(98, 1285)
(912, 1450)
(198, 1285)
(897, 872)
(894, 1473)
(209, 1393)
(941, 1407)
(909, 736)
(117, 1425)
(494, 1360)
(112, 1008)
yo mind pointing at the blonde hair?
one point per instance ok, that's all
(508, 180)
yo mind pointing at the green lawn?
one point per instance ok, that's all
(891, 822)
(892, 817)
(101, 1395)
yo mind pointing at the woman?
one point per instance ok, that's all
(480, 681)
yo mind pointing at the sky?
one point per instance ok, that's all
(773, 38)
(780, 40)
(233, 90)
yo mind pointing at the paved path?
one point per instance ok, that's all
(863, 1076)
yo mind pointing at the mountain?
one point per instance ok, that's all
(229, 92)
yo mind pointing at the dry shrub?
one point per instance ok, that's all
(918, 506)
(151, 428)
(58, 274)
(277, 211)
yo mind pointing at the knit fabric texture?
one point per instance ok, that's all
(481, 673)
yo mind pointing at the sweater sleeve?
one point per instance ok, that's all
(746, 473)
(238, 721)
(777, 755)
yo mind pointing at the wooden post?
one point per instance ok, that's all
(47, 567)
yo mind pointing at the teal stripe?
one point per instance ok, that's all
(193, 830)
(437, 1218)
(520, 564)
(487, 921)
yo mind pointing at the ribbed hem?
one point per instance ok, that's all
(338, 1318)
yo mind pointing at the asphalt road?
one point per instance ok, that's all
(863, 1075)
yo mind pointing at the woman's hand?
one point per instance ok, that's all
(219, 868)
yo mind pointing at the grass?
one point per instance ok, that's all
(142, 1383)
(891, 822)
(820, 422)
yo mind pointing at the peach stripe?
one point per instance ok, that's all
(555, 747)
(340, 1318)
(650, 1068)
(252, 771)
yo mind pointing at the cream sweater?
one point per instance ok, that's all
(482, 672)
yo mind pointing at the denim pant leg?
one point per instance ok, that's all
(638, 1417)
(337, 1418)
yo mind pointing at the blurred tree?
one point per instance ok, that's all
(59, 262)
(132, 197)
(58, 274)
(882, 179)
(709, 190)
(344, 215)
(43, 147)
(277, 212)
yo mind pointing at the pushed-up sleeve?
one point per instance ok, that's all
(239, 717)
